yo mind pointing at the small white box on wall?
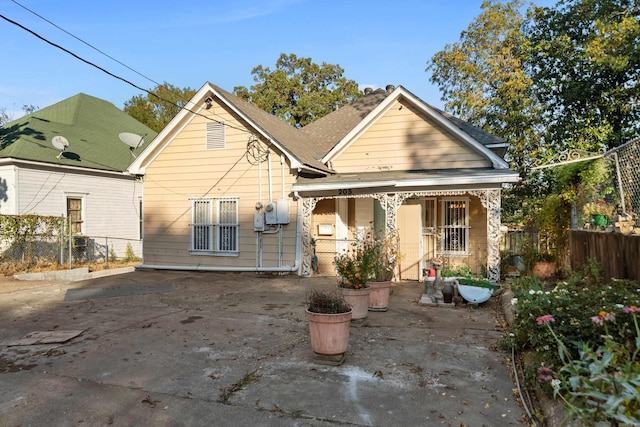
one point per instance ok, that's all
(325, 230)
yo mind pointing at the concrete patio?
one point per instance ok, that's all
(225, 349)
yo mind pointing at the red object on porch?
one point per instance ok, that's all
(432, 272)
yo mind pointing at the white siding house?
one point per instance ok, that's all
(87, 182)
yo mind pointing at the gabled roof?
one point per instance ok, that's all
(311, 147)
(332, 128)
(297, 147)
(91, 125)
(335, 130)
(302, 146)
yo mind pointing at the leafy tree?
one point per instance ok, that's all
(586, 70)
(157, 108)
(299, 91)
(4, 116)
(484, 79)
(560, 77)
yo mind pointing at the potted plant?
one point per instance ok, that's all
(599, 212)
(544, 265)
(329, 317)
(385, 252)
(355, 267)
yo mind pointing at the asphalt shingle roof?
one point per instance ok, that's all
(303, 146)
(91, 125)
(332, 128)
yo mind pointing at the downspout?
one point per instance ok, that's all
(270, 176)
(282, 195)
(259, 233)
(299, 220)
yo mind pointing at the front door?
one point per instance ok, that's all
(409, 241)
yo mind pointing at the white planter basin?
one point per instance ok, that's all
(474, 294)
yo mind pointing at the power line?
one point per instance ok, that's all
(86, 43)
(180, 107)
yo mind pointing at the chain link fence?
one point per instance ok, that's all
(33, 239)
(627, 172)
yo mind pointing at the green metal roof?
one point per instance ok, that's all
(91, 125)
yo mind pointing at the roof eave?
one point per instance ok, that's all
(15, 161)
(414, 182)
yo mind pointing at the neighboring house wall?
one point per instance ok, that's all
(186, 169)
(416, 142)
(109, 217)
(7, 189)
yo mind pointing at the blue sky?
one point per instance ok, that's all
(187, 43)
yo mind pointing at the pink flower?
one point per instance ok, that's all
(631, 309)
(545, 319)
(545, 375)
(602, 317)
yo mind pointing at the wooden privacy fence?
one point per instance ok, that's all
(618, 254)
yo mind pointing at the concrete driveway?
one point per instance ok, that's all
(225, 349)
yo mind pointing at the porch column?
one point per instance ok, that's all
(308, 205)
(490, 199)
(391, 204)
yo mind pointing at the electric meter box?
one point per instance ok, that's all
(270, 213)
(258, 221)
(283, 211)
(277, 212)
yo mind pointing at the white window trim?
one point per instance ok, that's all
(214, 227)
(442, 226)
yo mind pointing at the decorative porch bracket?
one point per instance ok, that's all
(391, 203)
(490, 199)
(308, 205)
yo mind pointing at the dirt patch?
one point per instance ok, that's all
(9, 366)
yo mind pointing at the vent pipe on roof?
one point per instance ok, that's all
(367, 90)
(390, 88)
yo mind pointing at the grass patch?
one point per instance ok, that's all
(227, 392)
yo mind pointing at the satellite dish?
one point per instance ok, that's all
(133, 140)
(61, 143)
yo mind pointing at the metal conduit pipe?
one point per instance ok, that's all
(282, 195)
(283, 269)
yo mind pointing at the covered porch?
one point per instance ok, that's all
(429, 214)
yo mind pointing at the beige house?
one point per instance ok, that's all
(229, 187)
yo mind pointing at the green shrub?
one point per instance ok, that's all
(572, 304)
(586, 337)
(129, 255)
(456, 271)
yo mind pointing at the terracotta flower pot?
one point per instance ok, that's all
(358, 299)
(544, 269)
(329, 332)
(379, 296)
